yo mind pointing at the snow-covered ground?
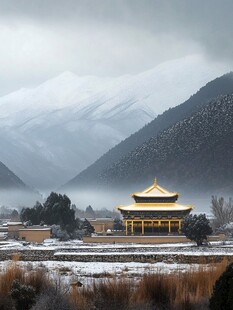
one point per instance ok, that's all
(87, 271)
(77, 247)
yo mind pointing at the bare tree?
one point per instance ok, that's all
(229, 206)
(222, 211)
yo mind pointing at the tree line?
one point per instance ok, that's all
(57, 211)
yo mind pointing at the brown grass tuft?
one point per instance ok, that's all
(179, 290)
(105, 294)
(13, 272)
(39, 280)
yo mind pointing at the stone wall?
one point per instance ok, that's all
(27, 255)
(50, 255)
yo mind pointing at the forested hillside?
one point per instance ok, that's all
(220, 86)
(193, 153)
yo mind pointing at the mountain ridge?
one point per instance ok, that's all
(221, 85)
(8, 180)
(195, 152)
(63, 125)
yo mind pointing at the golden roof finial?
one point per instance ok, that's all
(155, 181)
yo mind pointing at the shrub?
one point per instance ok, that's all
(6, 303)
(23, 295)
(222, 296)
(52, 300)
(196, 228)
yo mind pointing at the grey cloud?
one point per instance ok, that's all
(108, 37)
(208, 22)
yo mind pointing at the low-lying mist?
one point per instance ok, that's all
(98, 198)
(109, 197)
(16, 198)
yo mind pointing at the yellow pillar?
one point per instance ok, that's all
(169, 227)
(179, 226)
(159, 225)
(143, 230)
(132, 231)
(126, 228)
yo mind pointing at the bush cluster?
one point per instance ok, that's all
(196, 228)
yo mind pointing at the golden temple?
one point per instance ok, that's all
(155, 211)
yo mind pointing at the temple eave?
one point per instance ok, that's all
(144, 195)
(152, 207)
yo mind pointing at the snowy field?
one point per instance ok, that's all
(87, 271)
(77, 247)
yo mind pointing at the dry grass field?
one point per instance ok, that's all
(177, 291)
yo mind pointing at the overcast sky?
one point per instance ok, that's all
(43, 38)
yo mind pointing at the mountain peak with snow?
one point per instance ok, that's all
(53, 131)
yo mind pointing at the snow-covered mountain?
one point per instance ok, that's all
(50, 133)
(92, 176)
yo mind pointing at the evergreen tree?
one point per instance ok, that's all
(87, 228)
(14, 215)
(56, 210)
(32, 214)
(222, 296)
(90, 213)
(118, 225)
(196, 228)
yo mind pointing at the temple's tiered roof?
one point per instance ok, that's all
(155, 198)
(155, 190)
